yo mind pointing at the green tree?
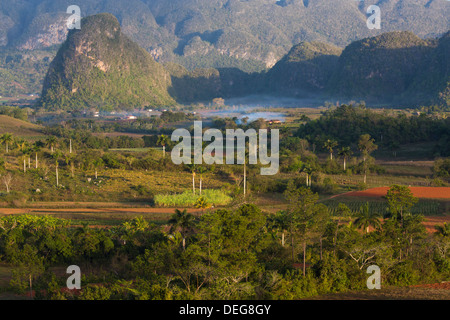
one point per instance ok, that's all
(342, 211)
(29, 264)
(97, 164)
(36, 147)
(69, 159)
(443, 230)
(201, 170)
(308, 169)
(184, 221)
(56, 156)
(231, 239)
(345, 153)
(7, 139)
(163, 140)
(279, 222)
(400, 201)
(304, 214)
(366, 218)
(330, 145)
(366, 145)
(51, 142)
(193, 168)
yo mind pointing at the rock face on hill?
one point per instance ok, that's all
(98, 66)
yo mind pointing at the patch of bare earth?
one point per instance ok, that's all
(422, 292)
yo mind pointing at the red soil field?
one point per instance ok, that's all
(431, 222)
(419, 192)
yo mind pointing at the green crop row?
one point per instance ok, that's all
(426, 207)
(188, 198)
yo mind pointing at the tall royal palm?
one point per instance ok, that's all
(201, 171)
(192, 168)
(365, 218)
(183, 221)
(51, 143)
(163, 140)
(366, 145)
(345, 153)
(7, 139)
(330, 145)
(35, 148)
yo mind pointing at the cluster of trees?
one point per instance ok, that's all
(347, 123)
(297, 157)
(14, 112)
(235, 253)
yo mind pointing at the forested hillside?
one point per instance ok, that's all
(261, 30)
(100, 67)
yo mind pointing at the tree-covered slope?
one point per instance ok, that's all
(262, 30)
(306, 68)
(23, 71)
(98, 66)
(393, 67)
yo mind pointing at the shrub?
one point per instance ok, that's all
(361, 186)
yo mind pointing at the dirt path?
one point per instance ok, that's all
(7, 211)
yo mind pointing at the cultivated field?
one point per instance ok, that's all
(419, 192)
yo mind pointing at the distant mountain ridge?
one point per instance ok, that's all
(260, 31)
(99, 67)
(393, 68)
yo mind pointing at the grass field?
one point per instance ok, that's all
(19, 128)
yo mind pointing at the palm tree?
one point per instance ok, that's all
(97, 163)
(163, 140)
(308, 169)
(69, 160)
(365, 218)
(36, 148)
(7, 138)
(330, 145)
(280, 222)
(51, 143)
(201, 171)
(192, 167)
(366, 145)
(184, 221)
(21, 144)
(26, 155)
(345, 153)
(56, 157)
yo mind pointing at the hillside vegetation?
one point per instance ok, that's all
(393, 68)
(256, 30)
(98, 66)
